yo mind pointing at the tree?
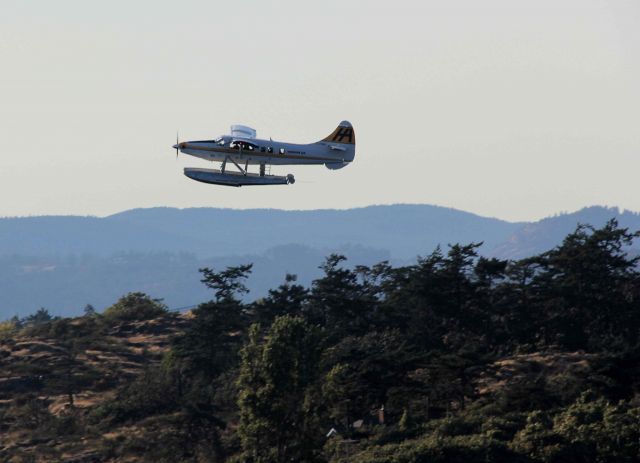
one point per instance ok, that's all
(440, 295)
(73, 338)
(89, 311)
(278, 417)
(590, 287)
(228, 283)
(41, 317)
(210, 345)
(339, 300)
(288, 299)
(589, 430)
(516, 303)
(602, 431)
(363, 372)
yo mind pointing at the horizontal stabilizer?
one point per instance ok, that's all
(216, 177)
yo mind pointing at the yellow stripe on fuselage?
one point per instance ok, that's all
(222, 150)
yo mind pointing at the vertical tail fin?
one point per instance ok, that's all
(343, 141)
(343, 134)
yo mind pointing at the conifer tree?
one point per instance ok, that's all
(278, 406)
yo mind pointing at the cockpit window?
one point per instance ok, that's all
(246, 146)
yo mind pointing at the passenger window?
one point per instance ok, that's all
(262, 149)
(281, 150)
(270, 149)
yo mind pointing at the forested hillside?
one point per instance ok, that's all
(62, 263)
(454, 358)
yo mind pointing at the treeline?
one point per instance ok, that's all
(393, 364)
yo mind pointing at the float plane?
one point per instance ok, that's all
(241, 148)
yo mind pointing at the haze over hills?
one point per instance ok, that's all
(65, 262)
(403, 230)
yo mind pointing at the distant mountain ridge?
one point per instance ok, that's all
(404, 230)
(65, 262)
(536, 237)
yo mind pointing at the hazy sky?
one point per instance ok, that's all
(510, 108)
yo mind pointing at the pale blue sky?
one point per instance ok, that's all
(510, 108)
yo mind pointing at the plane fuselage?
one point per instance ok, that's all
(257, 151)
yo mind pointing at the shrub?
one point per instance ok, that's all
(8, 329)
(135, 306)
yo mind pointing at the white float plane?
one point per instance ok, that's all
(243, 148)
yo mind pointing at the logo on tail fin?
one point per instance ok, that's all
(342, 134)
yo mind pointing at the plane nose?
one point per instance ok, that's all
(175, 147)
